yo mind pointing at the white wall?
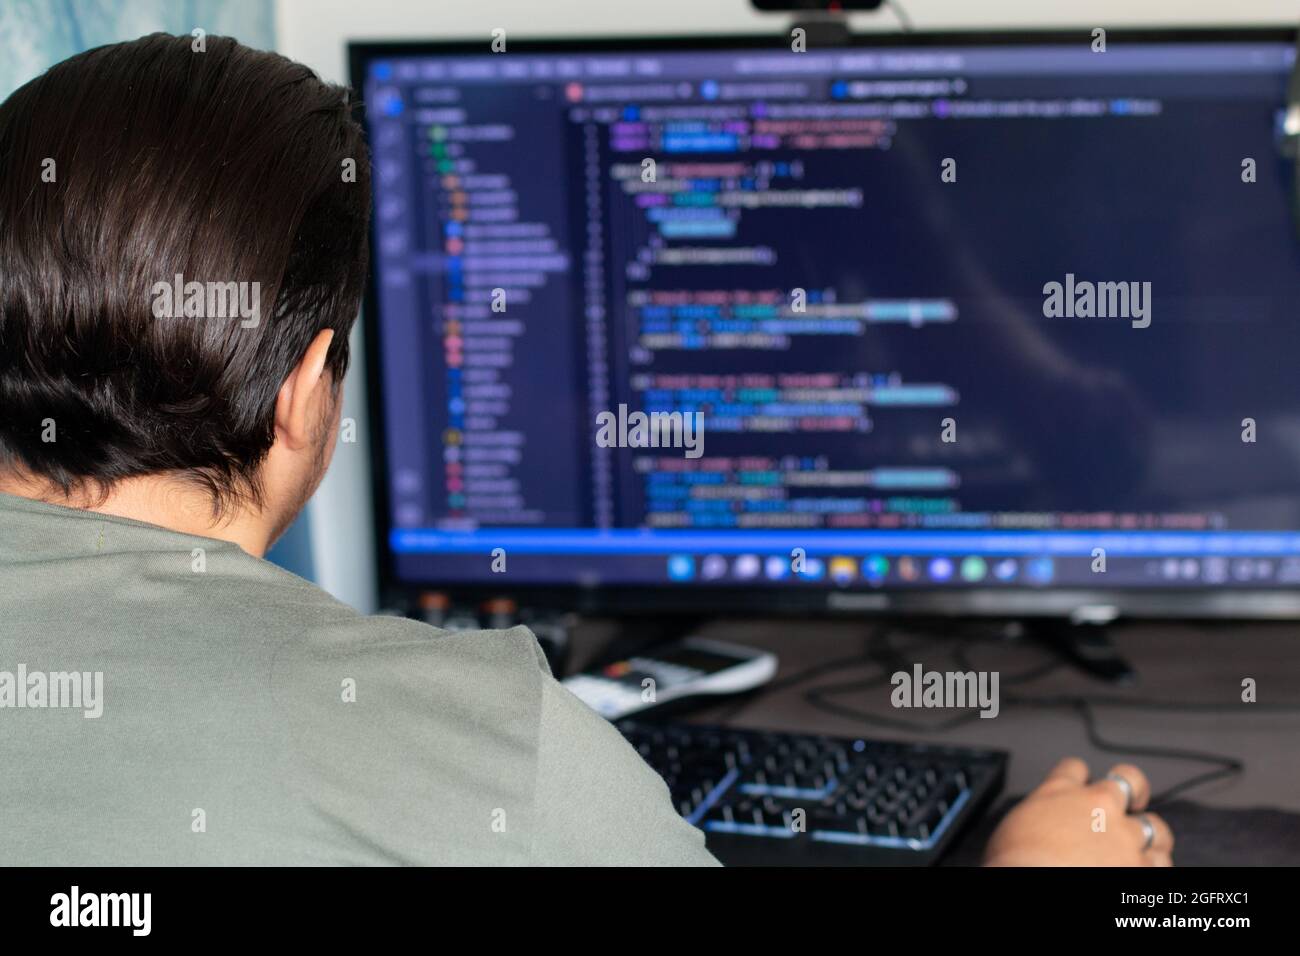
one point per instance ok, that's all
(316, 31)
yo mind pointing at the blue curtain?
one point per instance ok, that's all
(35, 34)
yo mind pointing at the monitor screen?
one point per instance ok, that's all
(958, 315)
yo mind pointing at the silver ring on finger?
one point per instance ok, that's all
(1125, 786)
(1148, 831)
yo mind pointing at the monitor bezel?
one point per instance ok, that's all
(1011, 601)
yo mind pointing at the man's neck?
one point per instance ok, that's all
(161, 501)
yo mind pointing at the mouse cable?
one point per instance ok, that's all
(1227, 766)
(819, 698)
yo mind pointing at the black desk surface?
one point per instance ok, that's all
(1227, 821)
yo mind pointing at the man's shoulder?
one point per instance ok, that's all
(403, 668)
(406, 655)
(307, 624)
(417, 740)
(318, 630)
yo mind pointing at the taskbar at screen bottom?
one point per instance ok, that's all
(851, 572)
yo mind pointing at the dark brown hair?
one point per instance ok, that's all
(225, 165)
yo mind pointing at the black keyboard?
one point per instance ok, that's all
(863, 802)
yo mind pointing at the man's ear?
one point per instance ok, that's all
(297, 414)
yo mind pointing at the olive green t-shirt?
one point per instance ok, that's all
(185, 703)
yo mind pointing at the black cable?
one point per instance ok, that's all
(891, 659)
(869, 655)
(818, 697)
(880, 651)
(1226, 766)
(863, 657)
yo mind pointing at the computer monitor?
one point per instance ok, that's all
(934, 323)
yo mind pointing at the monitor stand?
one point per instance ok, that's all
(1084, 641)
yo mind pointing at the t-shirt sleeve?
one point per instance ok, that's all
(597, 802)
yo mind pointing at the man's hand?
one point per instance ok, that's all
(1059, 823)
